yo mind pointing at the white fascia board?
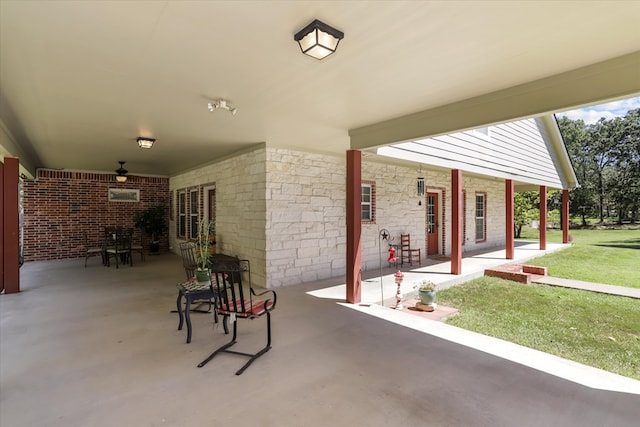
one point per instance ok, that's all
(558, 151)
(398, 152)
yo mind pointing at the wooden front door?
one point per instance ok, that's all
(432, 224)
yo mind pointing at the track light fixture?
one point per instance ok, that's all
(224, 104)
(121, 173)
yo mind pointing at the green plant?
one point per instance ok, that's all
(203, 241)
(426, 285)
(152, 222)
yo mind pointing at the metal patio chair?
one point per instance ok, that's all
(235, 302)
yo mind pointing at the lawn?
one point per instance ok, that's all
(604, 256)
(590, 328)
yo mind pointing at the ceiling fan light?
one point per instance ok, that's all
(121, 173)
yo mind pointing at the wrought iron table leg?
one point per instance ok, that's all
(179, 310)
(188, 319)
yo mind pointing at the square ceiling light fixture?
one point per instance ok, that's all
(145, 142)
(318, 39)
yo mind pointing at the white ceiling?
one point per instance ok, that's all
(80, 80)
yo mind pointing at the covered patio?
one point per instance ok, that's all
(99, 347)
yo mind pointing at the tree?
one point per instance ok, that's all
(624, 180)
(606, 159)
(524, 209)
(601, 145)
(582, 199)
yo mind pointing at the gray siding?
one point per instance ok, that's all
(515, 150)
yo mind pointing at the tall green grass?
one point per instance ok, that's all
(609, 256)
(590, 328)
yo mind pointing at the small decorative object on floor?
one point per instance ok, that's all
(398, 277)
(427, 292)
(424, 307)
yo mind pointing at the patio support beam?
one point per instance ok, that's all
(510, 223)
(456, 221)
(565, 216)
(354, 226)
(543, 217)
(613, 78)
(10, 226)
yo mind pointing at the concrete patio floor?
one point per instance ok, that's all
(99, 347)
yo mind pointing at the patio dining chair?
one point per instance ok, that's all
(407, 253)
(137, 244)
(119, 248)
(91, 249)
(188, 254)
(235, 302)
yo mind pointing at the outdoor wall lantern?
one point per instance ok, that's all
(121, 173)
(145, 142)
(420, 186)
(318, 39)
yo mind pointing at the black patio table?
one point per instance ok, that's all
(192, 290)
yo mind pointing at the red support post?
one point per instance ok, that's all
(10, 279)
(543, 217)
(354, 227)
(456, 221)
(510, 221)
(565, 216)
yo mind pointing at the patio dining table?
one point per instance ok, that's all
(192, 290)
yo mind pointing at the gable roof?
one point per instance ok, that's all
(531, 152)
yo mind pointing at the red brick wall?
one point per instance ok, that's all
(60, 205)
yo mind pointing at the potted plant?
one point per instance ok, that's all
(427, 292)
(153, 223)
(203, 254)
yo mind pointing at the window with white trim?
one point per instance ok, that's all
(368, 202)
(181, 203)
(193, 213)
(464, 216)
(366, 205)
(481, 224)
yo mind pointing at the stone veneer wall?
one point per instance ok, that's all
(284, 210)
(398, 210)
(240, 207)
(306, 235)
(495, 216)
(306, 216)
(60, 205)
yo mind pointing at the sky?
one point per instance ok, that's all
(609, 110)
